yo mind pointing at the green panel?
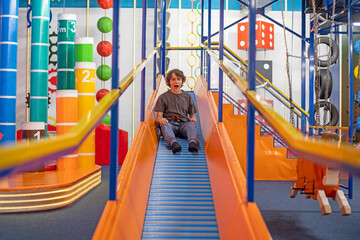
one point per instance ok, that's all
(38, 111)
(41, 8)
(66, 30)
(39, 57)
(66, 80)
(83, 53)
(66, 56)
(40, 31)
(39, 84)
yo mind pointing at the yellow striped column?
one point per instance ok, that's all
(66, 118)
(85, 84)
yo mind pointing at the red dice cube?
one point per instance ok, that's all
(264, 35)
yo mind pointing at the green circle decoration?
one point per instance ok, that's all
(106, 120)
(103, 72)
(105, 24)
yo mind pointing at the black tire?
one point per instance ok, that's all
(325, 81)
(334, 113)
(334, 51)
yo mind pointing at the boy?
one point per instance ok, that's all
(172, 110)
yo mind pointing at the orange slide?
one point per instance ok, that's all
(236, 219)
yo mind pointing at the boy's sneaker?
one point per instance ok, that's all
(175, 147)
(193, 147)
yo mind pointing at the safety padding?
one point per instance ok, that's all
(236, 219)
(124, 218)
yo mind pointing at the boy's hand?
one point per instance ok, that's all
(193, 119)
(162, 121)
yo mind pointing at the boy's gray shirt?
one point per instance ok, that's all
(171, 104)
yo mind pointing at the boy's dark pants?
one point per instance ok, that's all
(180, 129)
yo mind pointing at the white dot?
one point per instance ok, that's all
(256, 42)
(271, 29)
(242, 28)
(266, 66)
(263, 42)
(263, 34)
(263, 26)
(271, 36)
(271, 44)
(242, 43)
(256, 26)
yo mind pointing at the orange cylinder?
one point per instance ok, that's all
(66, 118)
(85, 84)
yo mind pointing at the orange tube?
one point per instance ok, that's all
(66, 118)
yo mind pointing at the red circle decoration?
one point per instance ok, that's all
(101, 93)
(105, 4)
(104, 48)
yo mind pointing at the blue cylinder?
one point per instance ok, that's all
(39, 62)
(8, 68)
(358, 124)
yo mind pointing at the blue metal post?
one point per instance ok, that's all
(202, 38)
(143, 56)
(251, 111)
(163, 36)
(221, 58)
(311, 83)
(115, 108)
(8, 66)
(208, 76)
(155, 42)
(351, 74)
(303, 68)
(351, 85)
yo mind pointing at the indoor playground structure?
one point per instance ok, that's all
(277, 100)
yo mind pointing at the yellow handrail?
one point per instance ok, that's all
(323, 152)
(21, 153)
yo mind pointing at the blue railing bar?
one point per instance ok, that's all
(311, 82)
(303, 69)
(251, 111)
(229, 26)
(350, 69)
(115, 109)
(208, 75)
(155, 44)
(287, 29)
(221, 58)
(202, 38)
(163, 36)
(354, 3)
(350, 186)
(143, 53)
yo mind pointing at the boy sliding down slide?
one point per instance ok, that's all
(172, 110)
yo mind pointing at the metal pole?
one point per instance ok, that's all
(209, 47)
(351, 85)
(303, 68)
(251, 111)
(143, 56)
(163, 44)
(202, 39)
(311, 82)
(155, 42)
(221, 58)
(115, 108)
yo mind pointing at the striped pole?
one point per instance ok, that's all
(8, 68)
(39, 61)
(85, 84)
(66, 118)
(66, 56)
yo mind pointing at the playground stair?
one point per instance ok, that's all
(271, 161)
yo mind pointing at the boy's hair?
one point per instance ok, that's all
(178, 73)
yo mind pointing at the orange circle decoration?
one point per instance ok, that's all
(192, 16)
(191, 86)
(189, 38)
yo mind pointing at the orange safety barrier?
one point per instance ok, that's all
(236, 219)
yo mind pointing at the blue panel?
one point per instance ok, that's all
(8, 132)
(7, 83)
(7, 110)
(297, 6)
(9, 7)
(8, 54)
(8, 29)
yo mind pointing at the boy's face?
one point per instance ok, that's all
(175, 83)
